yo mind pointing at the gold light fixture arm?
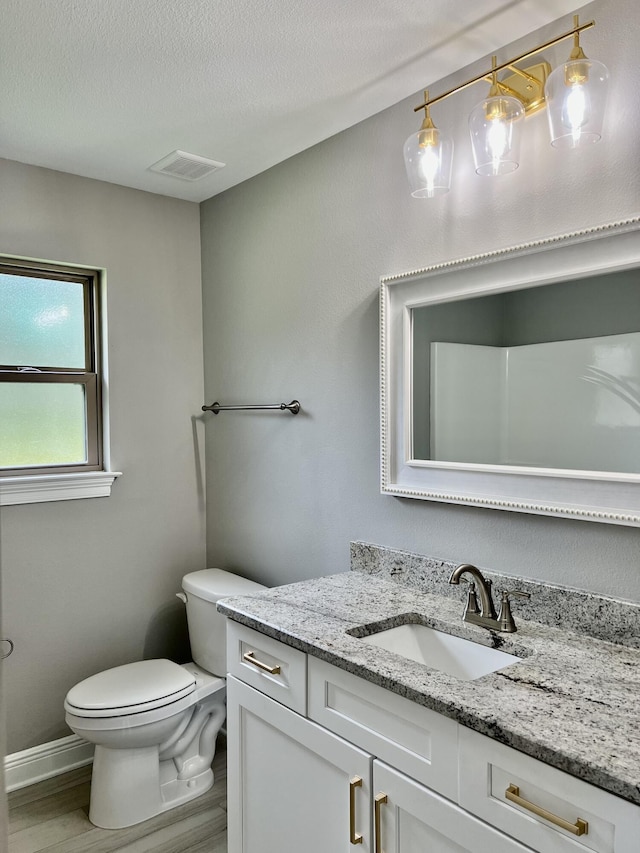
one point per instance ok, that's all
(428, 130)
(507, 90)
(578, 71)
(574, 32)
(577, 52)
(522, 72)
(525, 84)
(494, 91)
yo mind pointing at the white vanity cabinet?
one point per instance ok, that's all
(292, 785)
(322, 761)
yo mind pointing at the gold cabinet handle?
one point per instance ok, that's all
(377, 803)
(354, 837)
(249, 657)
(580, 827)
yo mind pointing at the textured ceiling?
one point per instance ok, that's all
(105, 88)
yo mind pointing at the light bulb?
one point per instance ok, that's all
(429, 165)
(495, 126)
(575, 111)
(497, 140)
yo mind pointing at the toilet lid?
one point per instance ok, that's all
(214, 584)
(130, 689)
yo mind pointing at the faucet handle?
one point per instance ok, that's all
(505, 617)
(472, 600)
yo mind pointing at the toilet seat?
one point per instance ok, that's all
(130, 689)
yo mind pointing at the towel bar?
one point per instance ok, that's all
(293, 407)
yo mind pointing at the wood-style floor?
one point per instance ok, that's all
(52, 816)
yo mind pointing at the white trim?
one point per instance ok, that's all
(46, 760)
(27, 489)
(586, 495)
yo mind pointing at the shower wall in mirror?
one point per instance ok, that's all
(512, 380)
(545, 377)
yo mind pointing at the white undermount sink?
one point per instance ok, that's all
(461, 658)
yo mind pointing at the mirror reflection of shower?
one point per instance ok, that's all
(507, 405)
(545, 377)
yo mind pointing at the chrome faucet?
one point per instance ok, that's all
(487, 614)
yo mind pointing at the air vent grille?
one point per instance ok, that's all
(187, 167)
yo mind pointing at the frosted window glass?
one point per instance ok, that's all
(41, 322)
(42, 424)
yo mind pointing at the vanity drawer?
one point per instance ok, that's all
(268, 665)
(408, 736)
(578, 816)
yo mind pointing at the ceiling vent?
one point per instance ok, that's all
(188, 167)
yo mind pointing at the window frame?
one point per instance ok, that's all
(91, 478)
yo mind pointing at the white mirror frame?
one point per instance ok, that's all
(587, 495)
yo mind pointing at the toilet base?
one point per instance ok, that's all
(126, 786)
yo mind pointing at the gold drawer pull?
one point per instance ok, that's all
(580, 827)
(354, 837)
(377, 803)
(249, 657)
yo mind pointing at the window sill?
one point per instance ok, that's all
(55, 487)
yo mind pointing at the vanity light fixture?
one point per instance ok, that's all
(575, 94)
(428, 157)
(495, 126)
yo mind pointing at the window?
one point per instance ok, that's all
(50, 373)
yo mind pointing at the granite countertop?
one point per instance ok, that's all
(573, 701)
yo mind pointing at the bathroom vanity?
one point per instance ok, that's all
(337, 744)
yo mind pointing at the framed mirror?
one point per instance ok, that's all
(511, 380)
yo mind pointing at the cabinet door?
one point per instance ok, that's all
(414, 819)
(293, 787)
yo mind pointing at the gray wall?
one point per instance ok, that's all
(603, 305)
(291, 263)
(88, 584)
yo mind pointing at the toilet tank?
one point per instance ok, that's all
(206, 626)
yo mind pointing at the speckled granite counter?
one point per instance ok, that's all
(572, 702)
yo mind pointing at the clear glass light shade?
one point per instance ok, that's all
(495, 126)
(576, 94)
(428, 165)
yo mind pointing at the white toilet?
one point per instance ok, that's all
(155, 723)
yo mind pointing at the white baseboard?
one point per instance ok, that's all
(46, 760)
